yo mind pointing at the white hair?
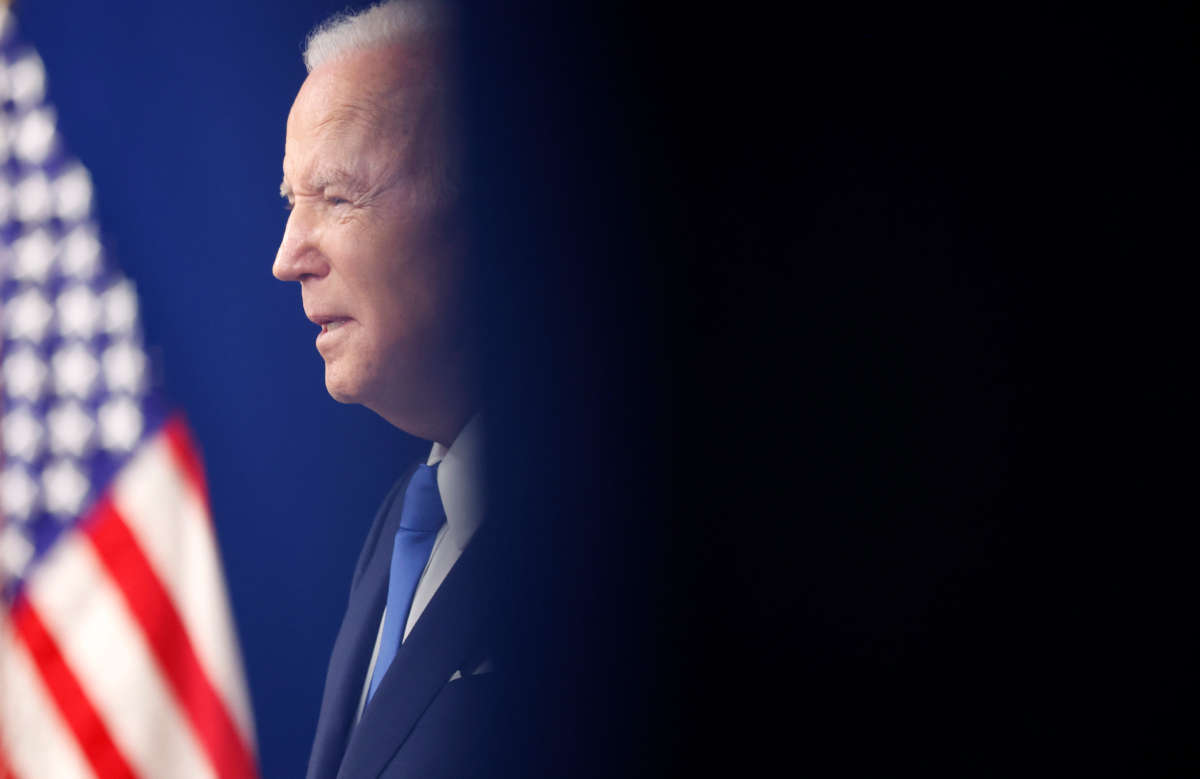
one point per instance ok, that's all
(384, 24)
(379, 25)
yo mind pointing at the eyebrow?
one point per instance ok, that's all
(326, 177)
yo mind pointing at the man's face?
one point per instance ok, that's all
(369, 238)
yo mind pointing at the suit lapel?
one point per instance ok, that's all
(356, 638)
(449, 632)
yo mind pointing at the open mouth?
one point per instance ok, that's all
(329, 323)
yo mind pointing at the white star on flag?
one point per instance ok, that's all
(66, 487)
(73, 193)
(81, 253)
(79, 312)
(18, 492)
(28, 315)
(22, 434)
(35, 255)
(24, 374)
(71, 429)
(34, 198)
(75, 370)
(120, 424)
(124, 367)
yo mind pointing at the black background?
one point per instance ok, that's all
(861, 349)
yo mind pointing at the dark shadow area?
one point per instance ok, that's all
(797, 377)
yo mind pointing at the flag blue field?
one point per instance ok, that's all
(118, 656)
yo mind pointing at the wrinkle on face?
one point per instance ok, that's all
(403, 113)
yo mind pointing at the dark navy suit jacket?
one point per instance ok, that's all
(418, 723)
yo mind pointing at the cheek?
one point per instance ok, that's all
(406, 298)
(404, 280)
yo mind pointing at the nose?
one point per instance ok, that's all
(299, 255)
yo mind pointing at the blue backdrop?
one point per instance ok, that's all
(178, 110)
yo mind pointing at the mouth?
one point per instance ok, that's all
(329, 323)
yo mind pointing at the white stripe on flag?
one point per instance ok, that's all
(171, 524)
(105, 646)
(37, 744)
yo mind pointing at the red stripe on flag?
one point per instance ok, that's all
(168, 639)
(187, 456)
(81, 716)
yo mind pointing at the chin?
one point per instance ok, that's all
(338, 395)
(341, 388)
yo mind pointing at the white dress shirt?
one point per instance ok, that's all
(460, 484)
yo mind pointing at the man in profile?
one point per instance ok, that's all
(375, 242)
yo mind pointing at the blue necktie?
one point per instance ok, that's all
(420, 517)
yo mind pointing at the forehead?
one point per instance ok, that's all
(329, 123)
(345, 107)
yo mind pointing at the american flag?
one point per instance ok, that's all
(117, 652)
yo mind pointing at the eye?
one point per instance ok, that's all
(336, 201)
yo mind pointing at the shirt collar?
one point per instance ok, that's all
(460, 481)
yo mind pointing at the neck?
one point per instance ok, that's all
(450, 432)
(441, 424)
